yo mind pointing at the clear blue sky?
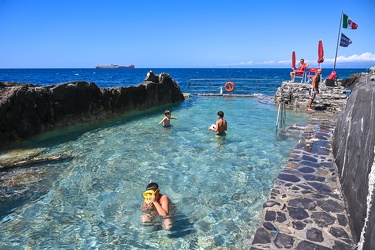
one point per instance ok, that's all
(182, 34)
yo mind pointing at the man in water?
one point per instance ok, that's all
(315, 89)
(220, 126)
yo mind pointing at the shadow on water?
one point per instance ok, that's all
(181, 227)
(71, 133)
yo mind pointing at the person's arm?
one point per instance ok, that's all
(145, 206)
(225, 125)
(163, 206)
(216, 126)
(163, 120)
(174, 118)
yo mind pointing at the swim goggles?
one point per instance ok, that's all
(148, 193)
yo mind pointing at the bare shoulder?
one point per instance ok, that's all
(164, 198)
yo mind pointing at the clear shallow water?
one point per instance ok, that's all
(93, 200)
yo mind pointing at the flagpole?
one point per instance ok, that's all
(338, 38)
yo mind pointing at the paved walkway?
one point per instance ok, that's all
(306, 209)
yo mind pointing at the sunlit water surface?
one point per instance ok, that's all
(93, 200)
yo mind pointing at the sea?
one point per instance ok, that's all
(92, 198)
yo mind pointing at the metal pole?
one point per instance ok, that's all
(277, 118)
(338, 39)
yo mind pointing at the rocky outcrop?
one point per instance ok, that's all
(27, 109)
(354, 146)
(296, 96)
(355, 78)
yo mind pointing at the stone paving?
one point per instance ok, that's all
(306, 209)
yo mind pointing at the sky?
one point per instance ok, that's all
(183, 34)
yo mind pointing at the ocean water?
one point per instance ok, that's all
(92, 199)
(127, 77)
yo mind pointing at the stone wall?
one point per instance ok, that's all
(353, 147)
(27, 109)
(296, 96)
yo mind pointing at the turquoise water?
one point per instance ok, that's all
(93, 200)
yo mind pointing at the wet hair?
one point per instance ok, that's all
(221, 114)
(152, 186)
(167, 111)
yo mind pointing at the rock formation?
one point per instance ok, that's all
(353, 147)
(28, 109)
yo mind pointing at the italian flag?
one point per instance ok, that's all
(348, 23)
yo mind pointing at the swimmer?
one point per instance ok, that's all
(167, 119)
(156, 204)
(220, 126)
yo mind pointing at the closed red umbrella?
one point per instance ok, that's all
(293, 60)
(320, 52)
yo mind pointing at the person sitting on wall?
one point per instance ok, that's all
(302, 66)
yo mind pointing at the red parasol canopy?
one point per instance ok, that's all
(293, 60)
(320, 52)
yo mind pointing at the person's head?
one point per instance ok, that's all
(152, 186)
(319, 71)
(167, 112)
(220, 114)
(302, 60)
(151, 189)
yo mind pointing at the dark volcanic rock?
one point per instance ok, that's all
(330, 206)
(299, 225)
(353, 148)
(314, 234)
(28, 109)
(306, 245)
(283, 240)
(338, 232)
(261, 236)
(288, 177)
(303, 203)
(351, 81)
(297, 213)
(322, 219)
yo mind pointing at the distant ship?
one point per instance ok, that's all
(114, 66)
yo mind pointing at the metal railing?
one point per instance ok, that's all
(242, 86)
(281, 116)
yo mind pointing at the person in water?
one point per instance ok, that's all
(167, 118)
(220, 126)
(155, 204)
